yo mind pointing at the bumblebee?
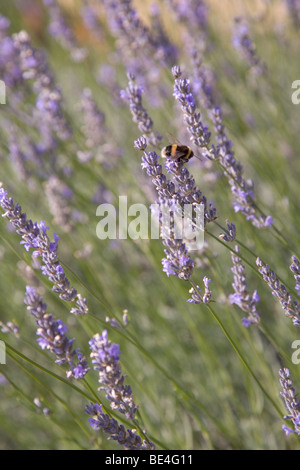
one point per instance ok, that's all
(177, 152)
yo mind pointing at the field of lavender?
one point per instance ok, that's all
(111, 338)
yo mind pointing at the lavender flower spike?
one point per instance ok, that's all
(242, 298)
(291, 402)
(230, 235)
(295, 268)
(105, 357)
(177, 261)
(133, 95)
(243, 190)
(134, 40)
(164, 187)
(52, 336)
(197, 296)
(35, 236)
(188, 192)
(294, 11)
(290, 306)
(49, 109)
(128, 439)
(200, 134)
(244, 44)
(10, 71)
(60, 30)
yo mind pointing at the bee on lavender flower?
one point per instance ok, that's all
(177, 151)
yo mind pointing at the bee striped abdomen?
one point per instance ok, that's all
(189, 154)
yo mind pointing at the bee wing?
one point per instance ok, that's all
(173, 139)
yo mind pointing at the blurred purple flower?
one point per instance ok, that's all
(49, 111)
(10, 71)
(241, 189)
(60, 29)
(243, 43)
(294, 11)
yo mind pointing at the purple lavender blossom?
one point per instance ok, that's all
(23, 153)
(200, 134)
(204, 81)
(188, 192)
(137, 47)
(49, 111)
(197, 295)
(242, 298)
(52, 336)
(243, 43)
(294, 11)
(18, 158)
(150, 164)
(126, 24)
(192, 12)
(193, 15)
(133, 95)
(241, 189)
(58, 196)
(128, 439)
(291, 402)
(166, 51)
(295, 268)
(4, 26)
(177, 261)
(290, 306)
(105, 357)
(91, 20)
(60, 30)
(98, 140)
(134, 37)
(34, 236)
(230, 234)
(93, 128)
(9, 327)
(10, 71)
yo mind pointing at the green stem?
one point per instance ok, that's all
(244, 362)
